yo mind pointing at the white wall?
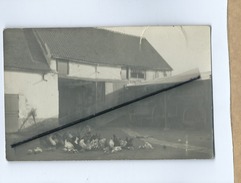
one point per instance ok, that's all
(34, 92)
(150, 75)
(123, 73)
(89, 71)
(105, 72)
(53, 65)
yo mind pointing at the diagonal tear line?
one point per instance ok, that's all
(104, 112)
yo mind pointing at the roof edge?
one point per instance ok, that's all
(83, 61)
(37, 71)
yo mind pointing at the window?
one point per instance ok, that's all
(63, 67)
(138, 74)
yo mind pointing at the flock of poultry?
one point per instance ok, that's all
(85, 141)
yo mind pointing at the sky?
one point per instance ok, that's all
(183, 47)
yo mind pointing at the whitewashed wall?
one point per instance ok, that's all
(34, 92)
(89, 71)
(150, 75)
(53, 65)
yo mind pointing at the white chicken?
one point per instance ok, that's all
(116, 149)
(37, 150)
(52, 141)
(76, 140)
(68, 146)
(102, 143)
(82, 144)
(147, 145)
(111, 143)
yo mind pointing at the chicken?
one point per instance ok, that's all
(147, 145)
(102, 143)
(116, 149)
(68, 146)
(94, 144)
(111, 143)
(76, 141)
(58, 140)
(82, 144)
(106, 149)
(95, 136)
(123, 143)
(88, 145)
(116, 141)
(52, 141)
(37, 150)
(129, 144)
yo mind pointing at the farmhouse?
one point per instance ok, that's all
(66, 73)
(29, 81)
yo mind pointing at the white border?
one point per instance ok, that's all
(73, 13)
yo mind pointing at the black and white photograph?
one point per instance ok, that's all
(108, 93)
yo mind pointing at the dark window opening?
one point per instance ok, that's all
(139, 74)
(127, 73)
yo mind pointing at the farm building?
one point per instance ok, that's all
(30, 84)
(63, 74)
(93, 64)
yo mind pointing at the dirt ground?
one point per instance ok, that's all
(167, 144)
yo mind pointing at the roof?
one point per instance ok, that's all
(99, 46)
(21, 52)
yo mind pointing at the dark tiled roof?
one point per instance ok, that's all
(99, 46)
(22, 52)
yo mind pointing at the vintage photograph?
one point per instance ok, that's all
(108, 93)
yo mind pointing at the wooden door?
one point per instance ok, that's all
(11, 112)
